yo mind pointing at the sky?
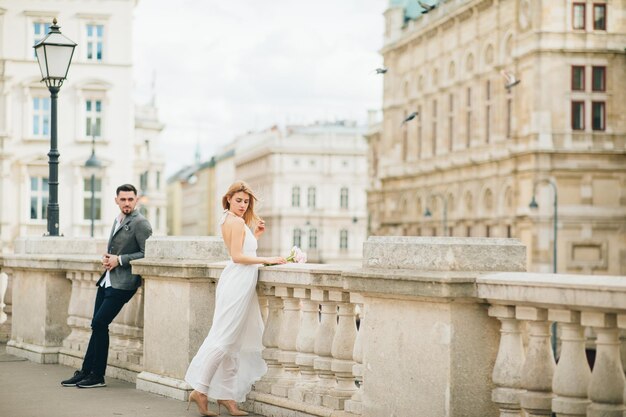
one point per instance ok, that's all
(219, 69)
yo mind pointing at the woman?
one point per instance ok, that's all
(229, 361)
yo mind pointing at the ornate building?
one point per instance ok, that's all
(95, 103)
(475, 152)
(311, 185)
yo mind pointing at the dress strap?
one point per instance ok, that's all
(224, 215)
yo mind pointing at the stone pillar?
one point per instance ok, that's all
(289, 329)
(323, 347)
(270, 341)
(41, 292)
(5, 308)
(305, 345)
(426, 326)
(539, 365)
(606, 388)
(507, 371)
(179, 298)
(342, 348)
(572, 375)
(354, 405)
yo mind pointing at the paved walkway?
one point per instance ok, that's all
(29, 389)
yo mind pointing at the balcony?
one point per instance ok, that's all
(424, 327)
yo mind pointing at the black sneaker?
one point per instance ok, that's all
(92, 381)
(78, 376)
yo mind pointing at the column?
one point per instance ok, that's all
(342, 348)
(606, 388)
(572, 375)
(287, 342)
(539, 366)
(305, 345)
(323, 347)
(270, 341)
(507, 371)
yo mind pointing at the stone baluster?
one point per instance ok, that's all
(621, 324)
(342, 349)
(305, 345)
(6, 310)
(539, 365)
(323, 347)
(287, 342)
(270, 341)
(572, 375)
(507, 371)
(4, 283)
(606, 388)
(355, 404)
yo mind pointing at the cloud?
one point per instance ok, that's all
(224, 68)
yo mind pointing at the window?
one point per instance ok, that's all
(578, 16)
(343, 239)
(468, 127)
(158, 180)
(312, 238)
(143, 182)
(311, 197)
(94, 42)
(40, 30)
(450, 122)
(598, 115)
(578, 115)
(41, 116)
(38, 198)
(297, 237)
(599, 16)
(598, 79)
(488, 111)
(97, 199)
(434, 144)
(295, 196)
(93, 118)
(343, 198)
(578, 78)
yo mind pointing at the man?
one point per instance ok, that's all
(116, 286)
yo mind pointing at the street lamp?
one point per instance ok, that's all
(54, 54)
(533, 205)
(93, 165)
(444, 220)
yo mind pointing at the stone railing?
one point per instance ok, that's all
(426, 327)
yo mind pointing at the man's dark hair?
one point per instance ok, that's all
(126, 187)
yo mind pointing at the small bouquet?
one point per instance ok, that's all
(296, 256)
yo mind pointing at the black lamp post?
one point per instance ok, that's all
(54, 54)
(444, 220)
(93, 164)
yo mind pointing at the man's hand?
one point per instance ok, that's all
(110, 261)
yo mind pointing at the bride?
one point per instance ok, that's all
(229, 361)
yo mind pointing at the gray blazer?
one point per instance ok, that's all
(129, 242)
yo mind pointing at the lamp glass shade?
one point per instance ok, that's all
(54, 54)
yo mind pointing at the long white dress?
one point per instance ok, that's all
(229, 360)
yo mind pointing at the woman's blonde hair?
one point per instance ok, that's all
(249, 216)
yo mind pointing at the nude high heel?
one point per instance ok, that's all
(231, 407)
(202, 406)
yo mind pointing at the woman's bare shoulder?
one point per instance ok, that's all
(233, 222)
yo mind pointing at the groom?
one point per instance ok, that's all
(116, 286)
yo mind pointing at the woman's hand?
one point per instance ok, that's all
(259, 229)
(274, 260)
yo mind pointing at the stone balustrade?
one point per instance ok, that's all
(426, 327)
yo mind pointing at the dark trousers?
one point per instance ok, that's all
(109, 302)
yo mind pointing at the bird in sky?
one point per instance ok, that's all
(410, 117)
(510, 80)
(427, 7)
(380, 70)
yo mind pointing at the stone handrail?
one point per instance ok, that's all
(426, 327)
(529, 379)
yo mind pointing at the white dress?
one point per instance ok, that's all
(229, 360)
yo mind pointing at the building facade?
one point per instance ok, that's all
(95, 103)
(477, 151)
(310, 181)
